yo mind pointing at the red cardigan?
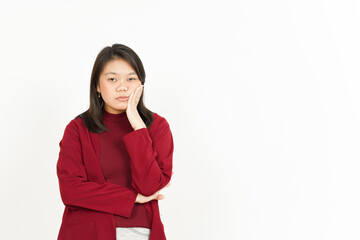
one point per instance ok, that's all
(90, 201)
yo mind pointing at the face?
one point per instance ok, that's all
(118, 78)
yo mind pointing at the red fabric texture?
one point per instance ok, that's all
(91, 202)
(115, 164)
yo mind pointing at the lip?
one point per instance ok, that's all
(122, 98)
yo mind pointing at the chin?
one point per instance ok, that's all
(120, 107)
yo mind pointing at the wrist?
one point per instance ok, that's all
(137, 128)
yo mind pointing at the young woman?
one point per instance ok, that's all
(115, 157)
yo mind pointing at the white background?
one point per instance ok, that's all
(262, 98)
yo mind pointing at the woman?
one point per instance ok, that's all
(115, 157)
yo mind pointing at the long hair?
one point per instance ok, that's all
(92, 117)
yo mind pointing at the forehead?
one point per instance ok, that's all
(118, 67)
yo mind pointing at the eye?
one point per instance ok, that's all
(110, 79)
(132, 78)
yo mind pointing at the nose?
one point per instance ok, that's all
(122, 86)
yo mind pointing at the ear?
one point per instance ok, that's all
(98, 88)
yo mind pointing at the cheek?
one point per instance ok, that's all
(137, 86)
(133, 89)
(107, 89)
(106, 94)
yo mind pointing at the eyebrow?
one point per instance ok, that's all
(114, 73)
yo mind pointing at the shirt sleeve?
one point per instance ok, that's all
(150, 158)
(76, 190)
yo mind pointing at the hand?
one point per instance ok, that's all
(131, 110)
(156, 196)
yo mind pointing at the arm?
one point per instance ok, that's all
(76, 190)
(150, 158)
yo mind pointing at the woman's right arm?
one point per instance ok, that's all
(156, 196)
(76, 190)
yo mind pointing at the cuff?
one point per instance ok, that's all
(141, 133)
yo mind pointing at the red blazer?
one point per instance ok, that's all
(89, 201)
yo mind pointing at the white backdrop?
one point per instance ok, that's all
(261, 97)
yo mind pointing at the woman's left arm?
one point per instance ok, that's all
(150, 157)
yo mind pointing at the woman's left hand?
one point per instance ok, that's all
(131, 110)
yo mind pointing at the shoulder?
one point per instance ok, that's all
(159, 123)
(76, 124)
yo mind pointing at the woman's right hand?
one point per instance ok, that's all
(156, 196)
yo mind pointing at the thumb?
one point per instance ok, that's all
(160, 196)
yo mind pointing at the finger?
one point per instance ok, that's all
(158, 192)
(130, 100)
(160, 196)
(138, 93)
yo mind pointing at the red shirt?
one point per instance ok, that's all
(115, 164)
(91, 201)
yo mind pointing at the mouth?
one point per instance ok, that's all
(122, 99)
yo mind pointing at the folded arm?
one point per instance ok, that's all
(150, 158)
(76, 190)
